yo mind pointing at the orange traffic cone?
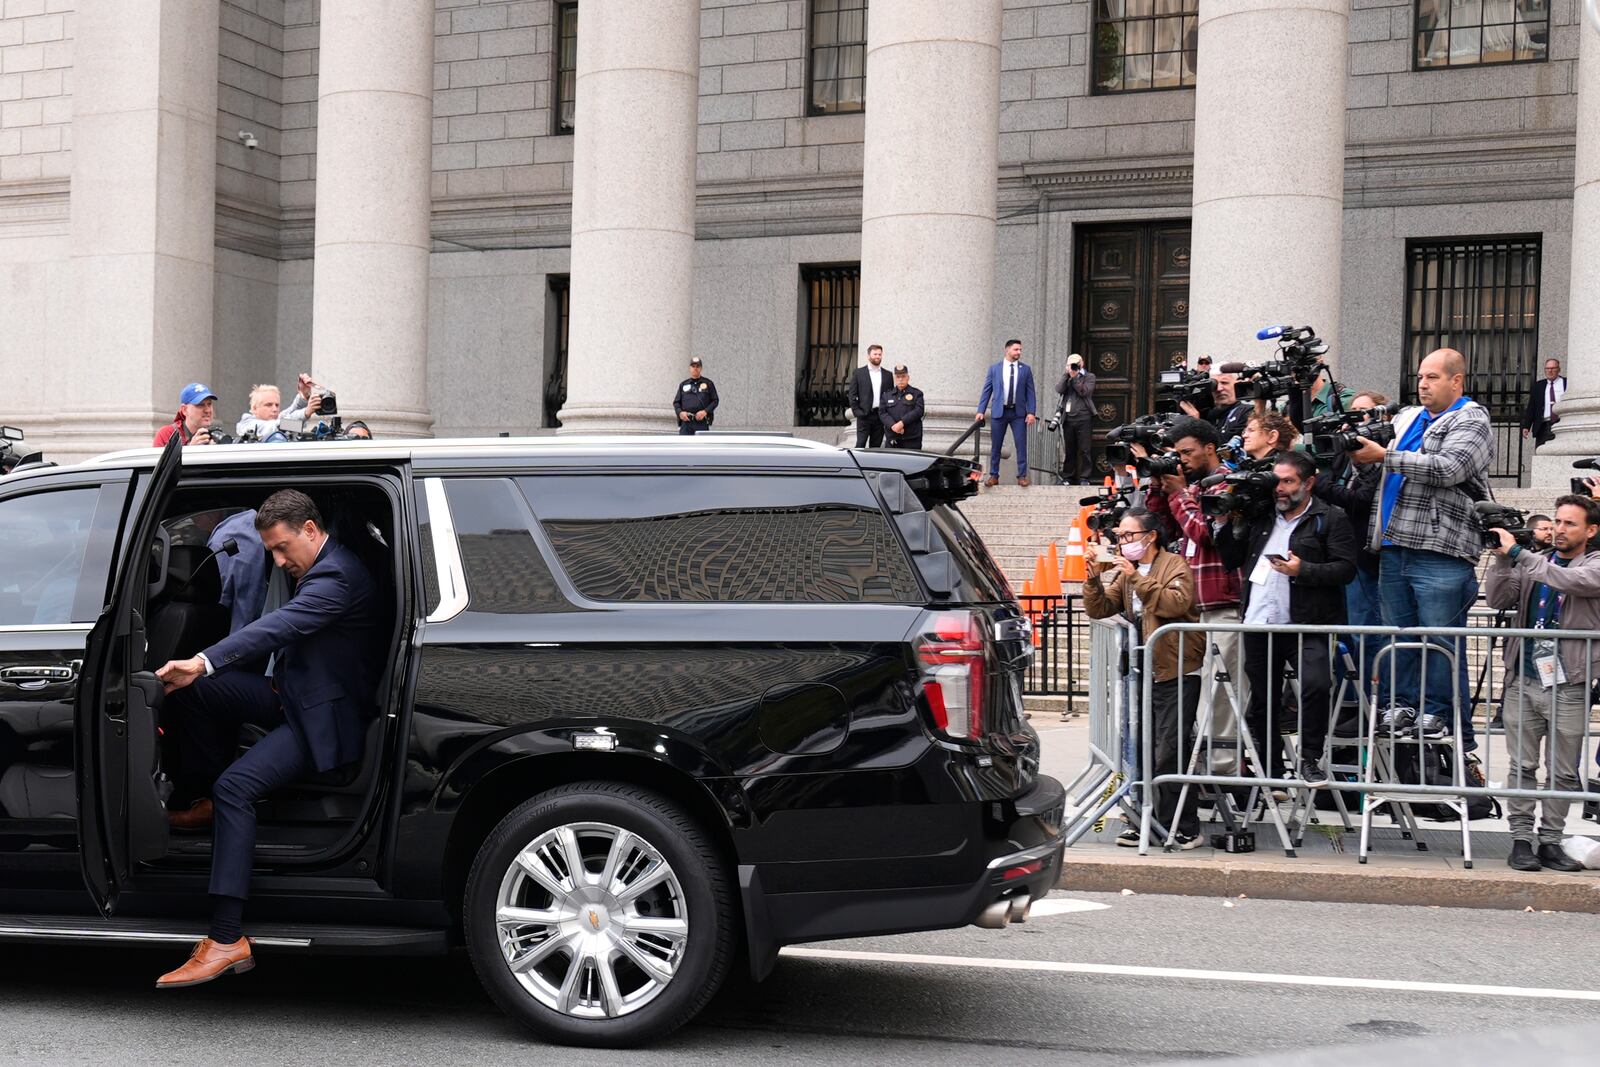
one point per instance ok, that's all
(1073, 567)
(1054, 562)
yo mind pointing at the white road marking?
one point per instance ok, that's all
(1054, 905)
(1258, 978)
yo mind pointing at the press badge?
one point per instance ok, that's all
(1548, 664)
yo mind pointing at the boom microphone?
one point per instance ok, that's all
(1232, 368)
(1267, 333)
(1588, 464)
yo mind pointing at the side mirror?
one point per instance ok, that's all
(10, 433)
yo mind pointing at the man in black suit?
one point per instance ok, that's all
(1076, 388)
(1540, 416)
(866, 396)
(326, 648)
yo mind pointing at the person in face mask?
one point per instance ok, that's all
(1296, 563)
(1152, 587)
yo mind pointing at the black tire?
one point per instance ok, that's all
(687, 849)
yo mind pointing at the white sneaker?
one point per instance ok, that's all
(1185, 842)
(1128, 839)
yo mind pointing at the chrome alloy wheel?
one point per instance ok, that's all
(591, 920)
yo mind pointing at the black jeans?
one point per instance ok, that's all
(869, 430)
(1077, 439)
(1265, 666)
(1172, 708)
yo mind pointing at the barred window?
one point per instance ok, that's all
(1460, 33)
(1480, 296)
(833, 315)
(558, 319)
(838, 56)
(1144, 44)
(723, 538)
(566, 86)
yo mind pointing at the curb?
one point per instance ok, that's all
(1334, 883)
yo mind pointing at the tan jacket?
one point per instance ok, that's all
(1507, 585)
(1167, 593)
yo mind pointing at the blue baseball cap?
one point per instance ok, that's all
(196, 393)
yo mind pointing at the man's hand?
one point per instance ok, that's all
(303, 383)
(683, 416)
(1172, 484)
(202, 436)
(899, 427)
(177, 673)
(1188, 409)
(699, 416)
(1506, 541)
(1290, 566)
(1032, 419)
(1593, 482)
(314, 405)
(1136, 449)
(979, 417)
(1368, 452)
(1525, 432)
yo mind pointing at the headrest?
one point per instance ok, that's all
(191, 577)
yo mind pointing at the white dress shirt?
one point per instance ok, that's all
(876, 374)
(1554, 390)
(1269, 595)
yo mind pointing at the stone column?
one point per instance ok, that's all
(633, 191)
(928, 201)
(1268, 173)
(143, 231)
(1578, 432)
(369, 309)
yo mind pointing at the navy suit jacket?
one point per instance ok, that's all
(993, 400)
(328, 640)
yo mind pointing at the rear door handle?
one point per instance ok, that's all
(38, 677)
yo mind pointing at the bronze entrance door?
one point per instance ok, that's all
(1131, 315)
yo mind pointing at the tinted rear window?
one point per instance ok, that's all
(723, 538)
(982, 579)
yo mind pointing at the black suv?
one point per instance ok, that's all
(653, 708)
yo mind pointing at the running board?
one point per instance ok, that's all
(383, 940)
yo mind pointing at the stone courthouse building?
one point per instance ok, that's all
(483, 216)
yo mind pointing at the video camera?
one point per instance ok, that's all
(1344, 431)
(1154, 432)
(1299, 361)
(1493, 515)
(12, 457)
(1251, 492)
(1109, 506)
(1180, 384)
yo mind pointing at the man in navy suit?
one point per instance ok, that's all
(1009, 401)
(325, 649)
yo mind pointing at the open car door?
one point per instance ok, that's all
(122, 818)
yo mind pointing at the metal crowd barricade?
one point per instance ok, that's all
(1442, 657)
(1059, 666)
(1112, 769)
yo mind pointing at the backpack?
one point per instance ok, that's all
(1437, 769)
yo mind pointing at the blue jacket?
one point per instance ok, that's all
(328, 639)
(993, 399)
(244, 577)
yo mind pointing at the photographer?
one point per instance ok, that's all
(1299, 561)
(1076, 414)
(1176, 499)
(1547, 703)
(1153, 587)
(197, 407)
(1427, 537)
(1230, 412)
(1350, 486)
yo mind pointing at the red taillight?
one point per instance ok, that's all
(952, 654)
(1023, 871)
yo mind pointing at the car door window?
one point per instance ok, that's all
(44, 541)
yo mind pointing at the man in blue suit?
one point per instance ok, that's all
(1009, 401)
(325, 649)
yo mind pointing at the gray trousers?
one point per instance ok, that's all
(1534, 722)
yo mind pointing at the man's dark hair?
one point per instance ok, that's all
(1304, 466)
(1199, 429)
(289, 506)
(1143, 516)
(1541, 518)
(1011, 342)
(1590, 506)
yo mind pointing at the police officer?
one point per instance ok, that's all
(902, 411)
(695, 402)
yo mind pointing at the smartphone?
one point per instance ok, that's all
(1581, 487)
(1277, 558)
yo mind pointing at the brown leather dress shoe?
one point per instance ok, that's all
(196, 816)
(209, 960)
(1023, 482)
(991, 480)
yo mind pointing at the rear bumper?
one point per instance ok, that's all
(1023, 860)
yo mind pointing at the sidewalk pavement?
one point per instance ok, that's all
(1326, 866)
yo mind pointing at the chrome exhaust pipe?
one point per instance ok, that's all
(995, 916)
(1020, 907)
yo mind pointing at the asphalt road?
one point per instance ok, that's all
(1138, 980)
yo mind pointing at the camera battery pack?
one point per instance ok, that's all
(1234, 841)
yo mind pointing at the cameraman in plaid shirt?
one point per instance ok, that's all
(1428, 539)
(1175, 499)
